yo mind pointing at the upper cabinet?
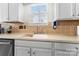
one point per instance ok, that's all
(77, 9)
(3, 12)
(16, 12)
(67, 11)
(13, 11)
(64, 10)
(40, 13)
(9, 11)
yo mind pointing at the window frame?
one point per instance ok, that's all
(40, 14)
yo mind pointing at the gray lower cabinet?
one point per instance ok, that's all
(33, 48)
(78, 53)
(37, 48)
(65, 49)
(22, 51)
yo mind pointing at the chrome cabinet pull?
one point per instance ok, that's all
(76, 51)
(73, 15)
(78, 15)
(28, 52)
(34, 53)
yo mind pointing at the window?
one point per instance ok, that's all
(39, 13)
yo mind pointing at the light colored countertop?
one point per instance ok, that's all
(42, 37)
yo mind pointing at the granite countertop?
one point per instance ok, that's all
(42, 37)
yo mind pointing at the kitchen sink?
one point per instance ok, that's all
(35, 35)
(40, 36)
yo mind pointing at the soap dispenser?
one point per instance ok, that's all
(54, 24)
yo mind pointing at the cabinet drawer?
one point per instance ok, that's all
(65, 46)
(33, 44)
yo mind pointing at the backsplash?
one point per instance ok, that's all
(66, 27)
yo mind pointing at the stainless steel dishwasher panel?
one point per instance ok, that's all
(6, 47)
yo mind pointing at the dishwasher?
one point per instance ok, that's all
(6, 47)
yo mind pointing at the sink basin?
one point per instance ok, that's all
(28, 35)
(35, 35)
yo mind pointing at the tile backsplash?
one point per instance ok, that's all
(65, 27)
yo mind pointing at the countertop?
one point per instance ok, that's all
(42, 37)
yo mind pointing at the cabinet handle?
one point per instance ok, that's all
(73, 15)
(78, 15)
(76, 51)
(34, 52)
(28, 52)
(76, 48)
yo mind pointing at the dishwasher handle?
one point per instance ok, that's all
(5, 42)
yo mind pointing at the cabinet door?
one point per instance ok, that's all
(13, 11)
(65, 46)
(65, 49)
(41, 52)
(0, 12)
(77, 10)
(64, 10)
(3, 12)
(22, 51)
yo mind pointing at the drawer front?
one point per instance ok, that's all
(33, 44)
(65, 46)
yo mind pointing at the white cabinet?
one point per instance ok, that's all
(67, 10)
(9, 11)
(77, 9)
(41, 52)
(13, 11)
(36, 48)
(64, 10)
(3, 12)
(22, 51)
(21, 12)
